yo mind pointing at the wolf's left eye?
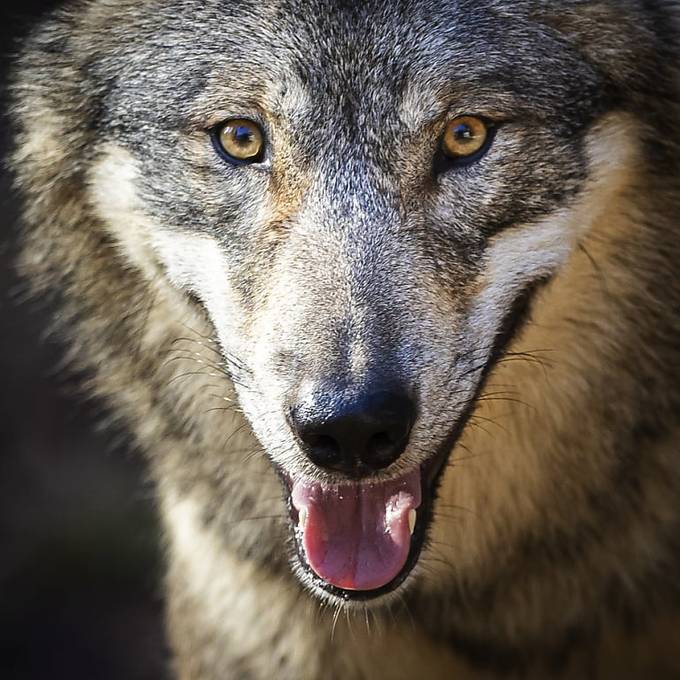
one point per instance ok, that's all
(465, 139)
(239, 141)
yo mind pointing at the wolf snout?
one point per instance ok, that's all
(356, 434)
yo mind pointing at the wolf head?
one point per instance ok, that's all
(363, 199)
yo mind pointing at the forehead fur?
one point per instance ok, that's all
(294, 58)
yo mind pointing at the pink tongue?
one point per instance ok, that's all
(356, 536)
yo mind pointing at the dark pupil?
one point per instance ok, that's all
(243, 135)
(463, 132)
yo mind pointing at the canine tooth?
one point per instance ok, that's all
(302, 518)
(412, 515)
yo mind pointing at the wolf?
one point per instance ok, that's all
(388, 295)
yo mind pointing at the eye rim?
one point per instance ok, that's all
(216, 133)
(444, 161)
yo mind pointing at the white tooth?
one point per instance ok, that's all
(302, 518)
(412, 515)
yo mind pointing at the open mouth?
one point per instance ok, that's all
(360, 540)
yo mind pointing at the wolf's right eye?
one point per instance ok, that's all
(239, 141)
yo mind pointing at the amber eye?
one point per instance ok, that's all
(464, 137)
(240, 140)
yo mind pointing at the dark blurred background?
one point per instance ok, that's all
(80, 593)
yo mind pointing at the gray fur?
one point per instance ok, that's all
(554, 547)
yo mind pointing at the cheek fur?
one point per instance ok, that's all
(526, 253)
(192, 263)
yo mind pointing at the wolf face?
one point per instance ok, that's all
(363, 277)
(375, 231)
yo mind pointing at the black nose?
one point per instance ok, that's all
(354, 435)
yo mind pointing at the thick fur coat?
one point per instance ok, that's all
(528, 298)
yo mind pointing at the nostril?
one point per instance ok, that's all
(380, 451)
(379, 442)
(324, 450)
